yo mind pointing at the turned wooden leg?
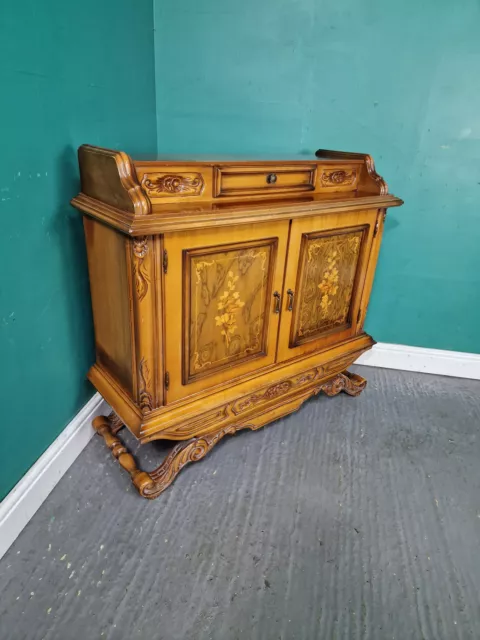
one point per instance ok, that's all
(140, 479)
(152, 484)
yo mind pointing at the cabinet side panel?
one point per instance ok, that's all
(372, 265)
(110, 300)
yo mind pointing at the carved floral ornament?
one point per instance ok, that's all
(338, 177)
(140, 250)
(169, 184)
(145, 399)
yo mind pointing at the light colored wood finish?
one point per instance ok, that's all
(273, 180)
(180, 217)
(107, 265)
(203, 410)
(144, 254)
(224, 293)
(166, 183)
(109, 176)
(305, 235)
(196, 325)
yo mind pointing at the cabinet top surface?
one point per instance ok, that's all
(122, 192)
(209, 159)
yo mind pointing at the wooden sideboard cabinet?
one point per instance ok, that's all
(224, 293)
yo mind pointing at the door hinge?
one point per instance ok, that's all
(165, 261)
(359, 315)
(167, 380)
(377, 225)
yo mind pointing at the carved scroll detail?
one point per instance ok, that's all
(338, 177)
(144, 397)
(140, 250)
(182, 184)
(350, 383)
(382, 185)
(152, 484)
(275, 391)
(257, 401)
(369, 163)
(116, 422)
(184, 453)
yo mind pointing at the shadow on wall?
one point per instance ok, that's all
(68, 226)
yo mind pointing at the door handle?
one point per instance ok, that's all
(276, 308)
(291, 296)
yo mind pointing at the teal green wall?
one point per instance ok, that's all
(399, 80)
(70, 72)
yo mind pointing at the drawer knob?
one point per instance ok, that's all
(271, 178)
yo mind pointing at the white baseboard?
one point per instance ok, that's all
(437, 361)
(26, 497)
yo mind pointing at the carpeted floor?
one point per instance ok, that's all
(352, 518)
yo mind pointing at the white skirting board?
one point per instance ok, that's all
(27, 496)
(436, 361)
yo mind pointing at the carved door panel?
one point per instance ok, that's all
(221, 314)
(325, 281)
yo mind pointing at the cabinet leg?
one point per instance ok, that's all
(151, 484)
(116, 423)
(350, 383)
(103, 427)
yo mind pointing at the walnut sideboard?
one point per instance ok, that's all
(224, 293)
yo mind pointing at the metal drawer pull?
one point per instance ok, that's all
(291, 296)
(271, 178)
(276, 308)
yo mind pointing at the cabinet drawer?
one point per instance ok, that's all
(275, 179)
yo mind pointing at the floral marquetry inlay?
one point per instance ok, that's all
(328, 278)
(227, 306)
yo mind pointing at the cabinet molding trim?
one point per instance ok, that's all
(24, 500)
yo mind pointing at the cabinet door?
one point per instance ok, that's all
(221, 314)
(325, 278)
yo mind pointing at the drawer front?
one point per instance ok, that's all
(338, 178)
(276, 179)
(175, 183)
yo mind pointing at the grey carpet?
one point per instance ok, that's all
(352, 518)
